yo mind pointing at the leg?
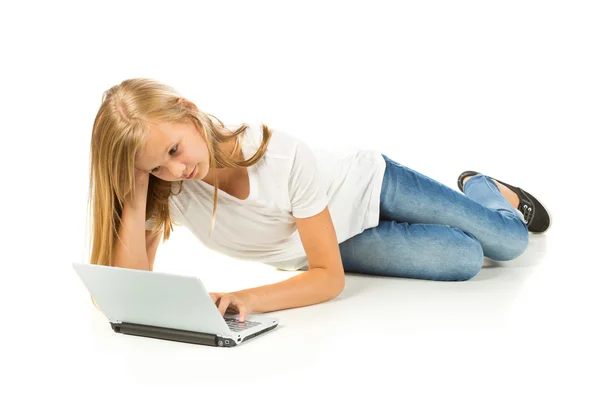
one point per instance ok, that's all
(399, 249)
(408, 196)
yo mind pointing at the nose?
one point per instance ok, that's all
(176, 169)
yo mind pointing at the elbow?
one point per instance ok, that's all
(338, 284)
(330, 284)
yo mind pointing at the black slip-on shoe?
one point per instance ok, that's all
(536, 216)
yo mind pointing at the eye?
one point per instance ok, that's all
(171, 152)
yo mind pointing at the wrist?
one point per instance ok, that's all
(137, 197)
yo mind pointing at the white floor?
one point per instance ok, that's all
(510, 89)
(525, 328)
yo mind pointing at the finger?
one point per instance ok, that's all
(243, 311)
(223, 304)
(214, 296)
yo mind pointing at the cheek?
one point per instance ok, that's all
(194, 151)
(200, 152)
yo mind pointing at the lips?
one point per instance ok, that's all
(191, 173)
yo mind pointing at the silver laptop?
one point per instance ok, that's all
(166, 306)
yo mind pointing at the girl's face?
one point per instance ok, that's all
(174, 151)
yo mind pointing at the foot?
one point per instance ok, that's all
(508, 194)
(534, 213)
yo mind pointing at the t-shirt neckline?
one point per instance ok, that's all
(251, 181)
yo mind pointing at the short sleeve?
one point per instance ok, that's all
(307, 196)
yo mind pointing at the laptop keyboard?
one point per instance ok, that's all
(238, 326)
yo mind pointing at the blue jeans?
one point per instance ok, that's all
(429, 231)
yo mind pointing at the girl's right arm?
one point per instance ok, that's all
(137, 248)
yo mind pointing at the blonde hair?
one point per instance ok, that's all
(119, 133)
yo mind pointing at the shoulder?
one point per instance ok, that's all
(282, 144)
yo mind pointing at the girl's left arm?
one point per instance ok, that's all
(322, 282)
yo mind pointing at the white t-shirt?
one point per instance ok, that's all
(292, 180)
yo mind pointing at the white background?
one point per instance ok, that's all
(509, 88)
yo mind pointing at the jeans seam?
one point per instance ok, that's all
(502, 198)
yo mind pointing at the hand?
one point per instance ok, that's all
(231, 302)
(141, 177)
(138, 194)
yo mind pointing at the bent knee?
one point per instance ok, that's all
(464, 261)
(510, 247)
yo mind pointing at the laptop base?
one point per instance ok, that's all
(176, 335)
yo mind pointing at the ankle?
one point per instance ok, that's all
(508, 194)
